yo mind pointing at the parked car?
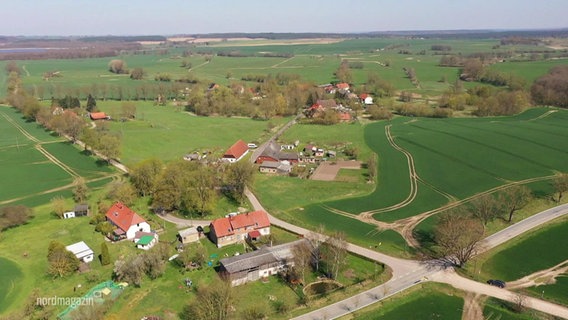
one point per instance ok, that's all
(497, 283)
(252, 145)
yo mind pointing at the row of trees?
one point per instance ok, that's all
(459, 231)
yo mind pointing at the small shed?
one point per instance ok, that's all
(188, 235)
(145, 240)
(82, 251)
(81, 210)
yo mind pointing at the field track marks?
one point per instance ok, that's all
(542, 277)
(406, 226)
(282, 62)
(39, 148)
(68, 186)
(413, 176)
(544, 115)
(197, 66)
(22, 130)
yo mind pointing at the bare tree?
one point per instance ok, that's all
(303, 258)
(515, 198)
(334, 249)
(520, 302)
(117, 66)
(80, 191)
(485, 207)
(213, 302)
(458, 237)
(561, 185)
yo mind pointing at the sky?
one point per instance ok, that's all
(170, 17)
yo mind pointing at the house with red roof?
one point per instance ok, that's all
(342, 86)
(345, 117)
(236, 152)
(366, 98)
(99, 116)
(126, 222)
(236, 228)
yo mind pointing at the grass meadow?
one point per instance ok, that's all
(168, 133)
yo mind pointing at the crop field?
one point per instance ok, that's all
(457, 158)
(504, 263)
(37, 164)
(9, 278)
(312, 62)
(430, 301)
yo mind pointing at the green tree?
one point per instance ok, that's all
(59, 205)
(105, 255)
(61, 262)
(372, 167)
(121, 191)
(109, 146)
(137, 74)
(91, 103)
(80, 191)
(240, 175)
(128, 110)
(144, 175)
(202, 194)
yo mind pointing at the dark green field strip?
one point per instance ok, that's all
(460, 177)
(423, 304)
(85, 165)
(427, 199)
(509, 154)
(32, 128)
(25, 171)
(538, 251)
(358, 232)
(498, 309)
(393, 182)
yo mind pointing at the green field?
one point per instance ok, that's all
(9, 278)
(25, 150)
(504, 264)
(429, 302)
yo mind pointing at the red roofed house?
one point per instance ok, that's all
(366, 99)
(345, 117)
(232, 229)
(126, 222)
(342, 86)
(99, 116)
(236, 152)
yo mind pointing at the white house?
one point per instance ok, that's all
(82, 251)
(366, 98)
(126, 222)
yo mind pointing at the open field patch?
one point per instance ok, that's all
(9, 278)
(327, 171)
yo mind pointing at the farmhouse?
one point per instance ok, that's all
(125, 221)
(99, 116)
(236, 152)
(275, 167)
(345, 117)
(258, 264)
(342, 86)
(235, 228)
(82, 251)
(188, 235)
(366, 98)
(273, 152)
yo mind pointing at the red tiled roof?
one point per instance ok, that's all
(222, 227)
(98, 115)
(236, 150)
(344, 116)
(363, 96)
(122, 217)
(226, 226)
(254, 234)
(342, 85)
